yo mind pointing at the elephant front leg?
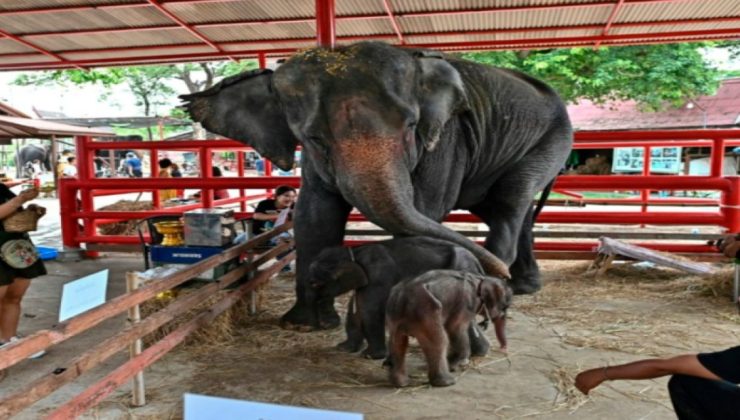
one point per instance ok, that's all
(353, 328)
(459, 352)
(372, 311)
(319, 222)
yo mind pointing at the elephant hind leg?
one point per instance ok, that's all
(398, 343)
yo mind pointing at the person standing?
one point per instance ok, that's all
(15, 277)
(133, 165)
(164, 172)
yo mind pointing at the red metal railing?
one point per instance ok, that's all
(724, 212)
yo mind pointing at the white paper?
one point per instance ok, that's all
(282, 217)
(83, 294)
(201, 407)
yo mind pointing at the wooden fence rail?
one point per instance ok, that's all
(49, 382)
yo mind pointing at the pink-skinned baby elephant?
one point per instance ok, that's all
(437, 309)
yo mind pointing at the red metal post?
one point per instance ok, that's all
(325, 23)
(206, 171)
(240, 173)
(85, 176)
(262, 60)
(68, 206)
(730, 206)
(718, 157)
(645, 193)
(154, 165)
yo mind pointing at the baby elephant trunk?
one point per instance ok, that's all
(499, 325)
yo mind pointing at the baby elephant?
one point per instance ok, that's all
(437, 308)
(372, 270)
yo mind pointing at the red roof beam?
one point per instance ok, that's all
(627, 39)
(287, 51)
(37, 48)
(388, 36)
(394, 22)
(610, 19)
(186, 26)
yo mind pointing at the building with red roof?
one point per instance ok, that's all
(721, 110)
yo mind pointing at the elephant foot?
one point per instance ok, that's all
(375, 354)
(400, 380)
(299, 318)
(525, 278)
(479, 344)
(525, 289)
(442, 379)
(349, 346)
(454, 364)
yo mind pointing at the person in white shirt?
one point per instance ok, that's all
(70, 171)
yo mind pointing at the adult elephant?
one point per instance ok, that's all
(32, 153)
(405, 136)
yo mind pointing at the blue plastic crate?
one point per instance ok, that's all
(46, 253)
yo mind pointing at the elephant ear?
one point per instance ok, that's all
(246, 108)
(442, 95)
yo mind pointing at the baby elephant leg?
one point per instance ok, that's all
(373, 326)
(479, 344)
(353, 329)
(433, 341)
(398, 343)
(459, 353)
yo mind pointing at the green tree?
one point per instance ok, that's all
(151, 86)
(655, 76)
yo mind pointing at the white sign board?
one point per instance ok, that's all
(83, 294)
(663, 160)
(201, 407)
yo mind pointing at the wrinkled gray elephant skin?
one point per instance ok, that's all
(371, 270)
(438, 308)
(405, 136)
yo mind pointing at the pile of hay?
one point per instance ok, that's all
(127, 227)
(597, 165)
(220, 331)
(635, 309)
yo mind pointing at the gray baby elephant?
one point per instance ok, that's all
(372, 270)
(437, 308)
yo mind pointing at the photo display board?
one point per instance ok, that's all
(663, 160)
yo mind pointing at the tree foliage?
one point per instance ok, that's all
(655, 76)
(150, 85)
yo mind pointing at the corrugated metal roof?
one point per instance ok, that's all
(105, 32)
(16, 128)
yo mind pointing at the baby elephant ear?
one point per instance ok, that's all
(246, 108)
(442, 95)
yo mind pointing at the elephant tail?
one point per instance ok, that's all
(543, 199)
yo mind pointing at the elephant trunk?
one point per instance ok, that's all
(499, 325)
(376, 181)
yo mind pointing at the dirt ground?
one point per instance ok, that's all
(575, 322)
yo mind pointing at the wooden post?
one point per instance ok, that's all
(138, 397)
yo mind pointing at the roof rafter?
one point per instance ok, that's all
(37, 48)
(610, 20)
(623, 39)
(187, 27)
(394, 22)
(390, 36)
